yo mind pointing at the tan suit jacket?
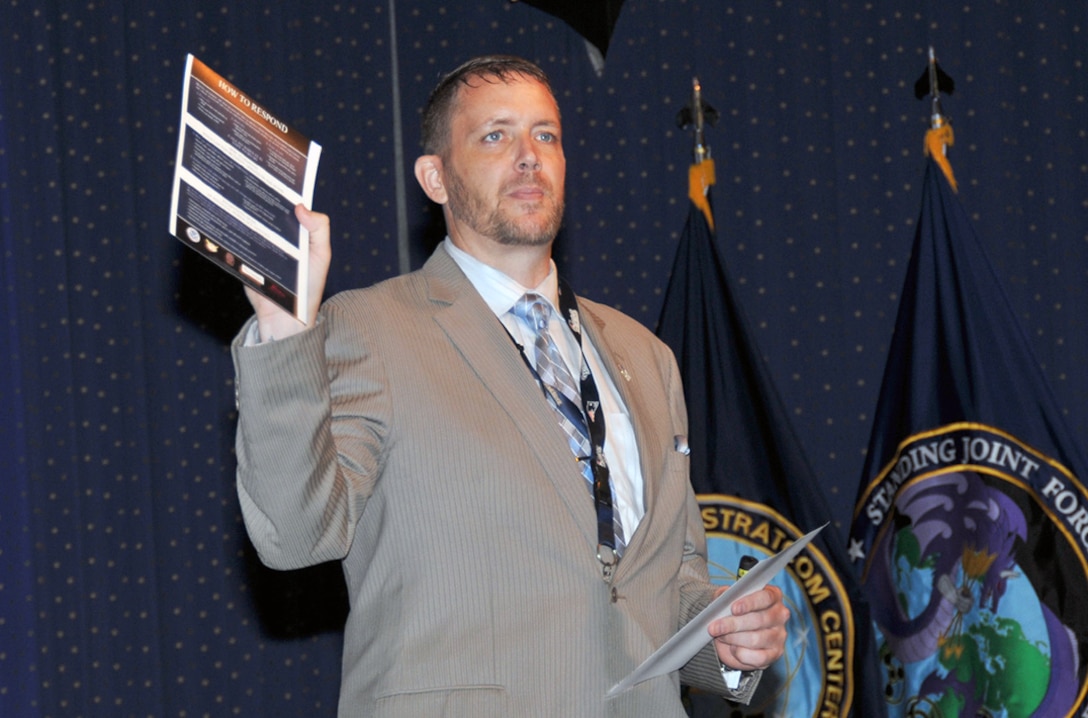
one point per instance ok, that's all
(405, 436)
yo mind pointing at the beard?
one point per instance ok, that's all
(469, 206)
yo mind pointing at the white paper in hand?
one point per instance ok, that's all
(690, 639)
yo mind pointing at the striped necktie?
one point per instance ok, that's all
(563, 391)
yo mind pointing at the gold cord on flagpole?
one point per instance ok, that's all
(700, 180)
(701, 173)
(939, 136)
(938, 140)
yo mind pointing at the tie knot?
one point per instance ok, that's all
(534, 309)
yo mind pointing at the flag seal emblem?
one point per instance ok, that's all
(815, 676)
(976, 614)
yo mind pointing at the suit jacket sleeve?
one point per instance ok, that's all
(303, 477)
(704, 671)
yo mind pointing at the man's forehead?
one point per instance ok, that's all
(489, 94)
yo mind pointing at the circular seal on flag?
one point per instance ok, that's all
(974, 548)
(815, 676)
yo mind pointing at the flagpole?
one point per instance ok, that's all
(701, 173)
(702, 150)
(939, 136)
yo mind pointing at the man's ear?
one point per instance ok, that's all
(429, 176)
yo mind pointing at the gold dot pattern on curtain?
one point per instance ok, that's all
(128, 586)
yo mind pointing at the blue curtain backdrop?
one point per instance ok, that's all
(127, 586)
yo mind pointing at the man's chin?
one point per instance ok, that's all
(526, 240)
(528, 233)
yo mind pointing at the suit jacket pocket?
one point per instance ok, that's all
(483, 701)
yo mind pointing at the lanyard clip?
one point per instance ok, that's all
(609, 560)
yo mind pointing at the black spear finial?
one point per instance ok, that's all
(697, 115)
(933, 82)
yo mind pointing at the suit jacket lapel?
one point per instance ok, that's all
(488, 349)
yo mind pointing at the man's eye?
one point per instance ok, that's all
(493, 136)
(547, 137)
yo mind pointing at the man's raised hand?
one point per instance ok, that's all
(272, 321)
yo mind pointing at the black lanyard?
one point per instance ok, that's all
(594, 418)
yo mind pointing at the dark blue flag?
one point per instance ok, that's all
(970, 532)
(757, 491)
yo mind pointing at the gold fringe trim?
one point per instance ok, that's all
(937, 139)
(700, 180)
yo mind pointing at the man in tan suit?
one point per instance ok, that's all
(406, 434)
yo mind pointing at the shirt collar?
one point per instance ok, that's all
(499, 290)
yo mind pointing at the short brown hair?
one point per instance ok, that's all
(436, 114)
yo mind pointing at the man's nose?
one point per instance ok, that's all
(528, 159)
